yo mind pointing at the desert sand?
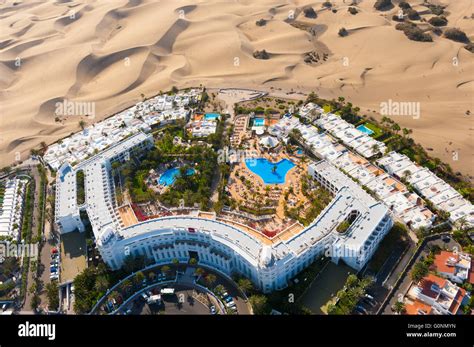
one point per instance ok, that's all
(112, 52)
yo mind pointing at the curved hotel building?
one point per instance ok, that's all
(216, 242)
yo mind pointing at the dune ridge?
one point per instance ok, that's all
(112, 52)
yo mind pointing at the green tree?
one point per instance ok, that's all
(419, 271)
(52, 293)
(245, 285)
(399, 307)
(259, 304)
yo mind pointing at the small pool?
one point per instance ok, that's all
(364, 129)
(169, 176)
(271, 173)
(258, 122)
(299, 151)
(211, 116)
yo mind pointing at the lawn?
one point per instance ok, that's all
(327, 108)
(377, 131)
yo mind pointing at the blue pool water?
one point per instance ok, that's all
(258, 122)
(299, 151)
(211, 116)
(364, 129)
(169, 176)
(264, 169)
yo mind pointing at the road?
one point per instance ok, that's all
(34, 225)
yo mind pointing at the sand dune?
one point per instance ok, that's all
(111, 52)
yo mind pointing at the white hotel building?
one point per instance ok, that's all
(269, 263)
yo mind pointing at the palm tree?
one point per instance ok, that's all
(101, 284)
(406, 132)
(166, 269)
(462, 223)
(406, 175)
(219, 289)
(6, 170)
(274, 168)
(127, 285)
(245, 285)
(210, 279)
(375, 148)
(399, 307)
(44, 146)
(152, 276)
(396, 128)
(82, 124)
(193, 261)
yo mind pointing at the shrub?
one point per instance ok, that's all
(327, 4)
(438, 21)
(412, 14)
(404, 5)
(436, 9)
(470, 47)
(343, 32)
(456, 35)
(352, 10)
(261, 22)
(382, 5)
(413, 32)
(261, 54)
(309, 12)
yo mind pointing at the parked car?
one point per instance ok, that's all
(213, 309)
(230, 304)
(369, 296)
(361, 309)
(228, 299)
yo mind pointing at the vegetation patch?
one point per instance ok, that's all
(263, 54)
(413, 32)
(80, 187)
(456, 34)
(438, 21)
(383, 5)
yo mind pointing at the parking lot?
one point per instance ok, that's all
(184, 300)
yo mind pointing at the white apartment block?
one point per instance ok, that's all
(431, 187)
(157, 111)
(11, 209)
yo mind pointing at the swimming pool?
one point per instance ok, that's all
(299, 151)
(364, 129)
(271, 173)
(211, 116)
(169, 176)
(258, 122)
